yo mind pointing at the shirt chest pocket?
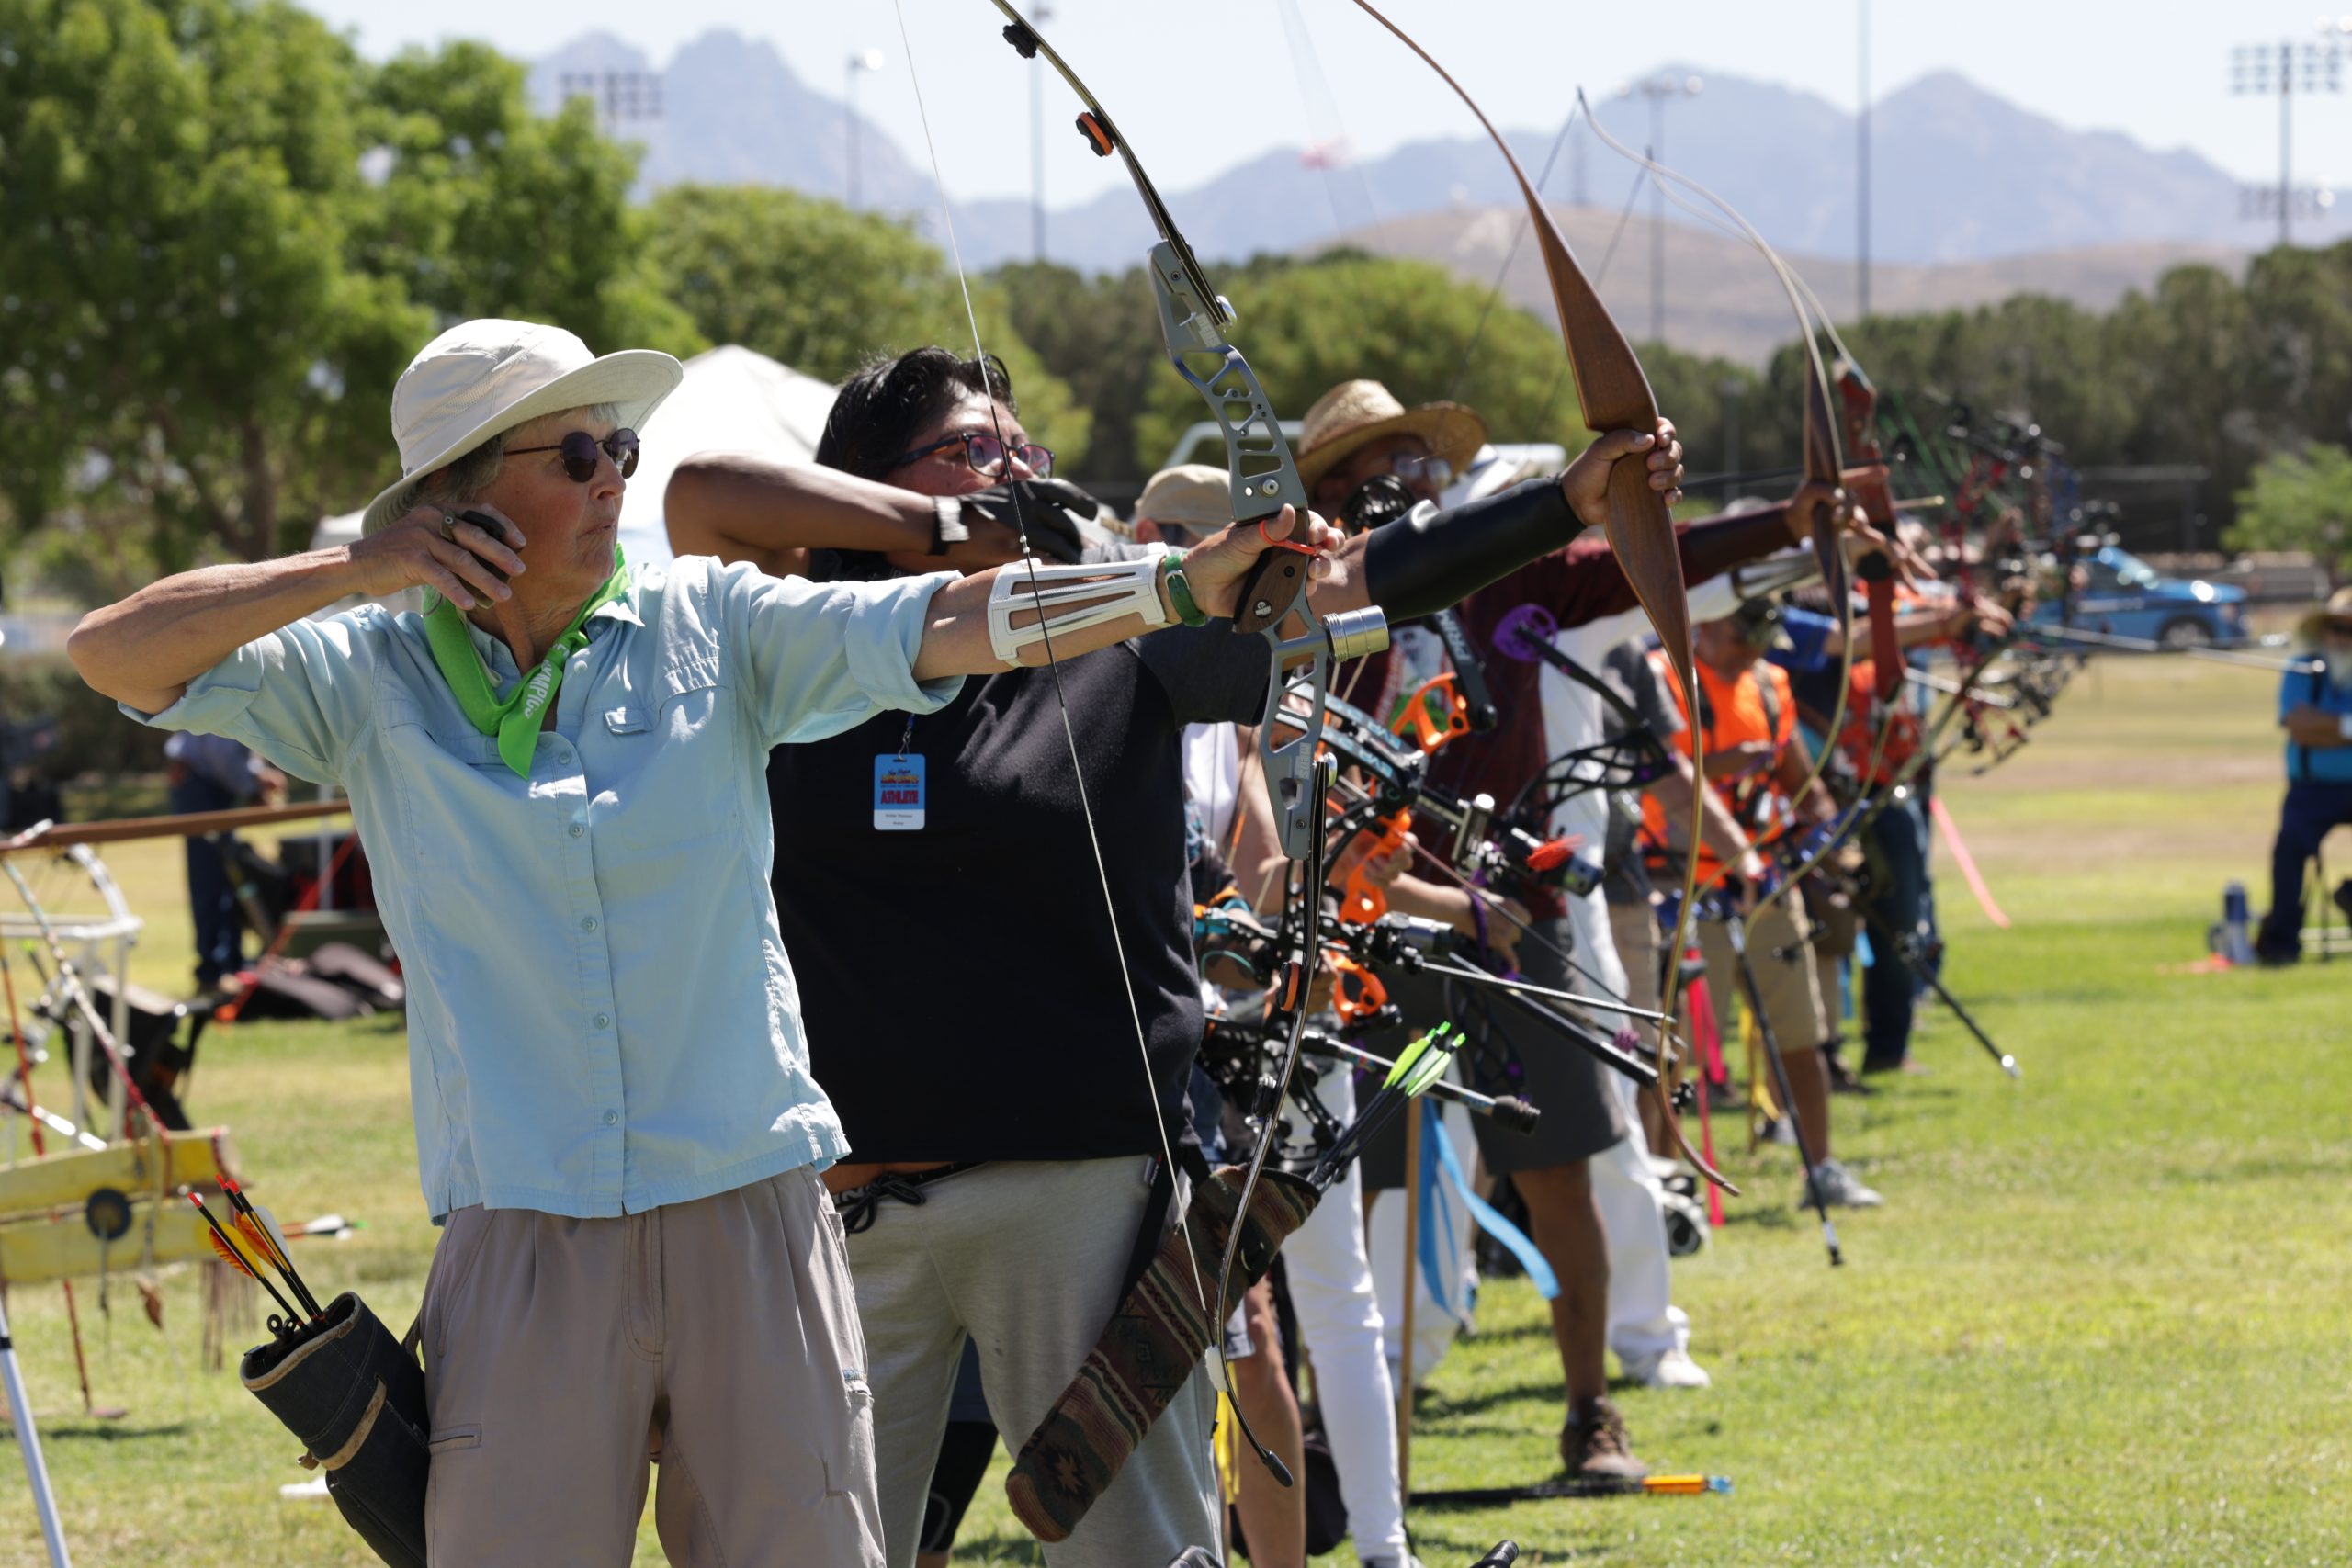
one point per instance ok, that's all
(666, 762)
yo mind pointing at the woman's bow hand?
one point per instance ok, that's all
(1218, 565)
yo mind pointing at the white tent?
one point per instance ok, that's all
(733, 399)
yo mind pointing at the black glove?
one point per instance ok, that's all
(1049, 509)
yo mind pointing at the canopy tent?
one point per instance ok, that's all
(733, 399)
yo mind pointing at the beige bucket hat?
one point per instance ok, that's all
(1355, 413)
(486, 375)
(1194, 495)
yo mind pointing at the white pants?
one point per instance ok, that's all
(1339, 1324)
(1644, 1321)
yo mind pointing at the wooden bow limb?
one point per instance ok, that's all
(1614, 394)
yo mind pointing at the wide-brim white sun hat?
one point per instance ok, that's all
(486, 375)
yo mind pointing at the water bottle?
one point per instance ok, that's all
(2237, 945)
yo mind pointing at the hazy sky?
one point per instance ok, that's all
(1202, 85)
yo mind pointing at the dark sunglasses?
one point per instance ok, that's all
(984, 452)
(579, 450)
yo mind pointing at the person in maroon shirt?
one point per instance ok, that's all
(1358, 434)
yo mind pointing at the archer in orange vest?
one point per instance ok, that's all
(1743, 743)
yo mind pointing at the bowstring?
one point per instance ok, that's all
(1053, 664)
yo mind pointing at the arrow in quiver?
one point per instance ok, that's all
(1152, 1344)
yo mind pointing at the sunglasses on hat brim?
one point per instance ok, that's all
(581, 450)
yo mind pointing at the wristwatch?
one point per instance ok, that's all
(946, 523)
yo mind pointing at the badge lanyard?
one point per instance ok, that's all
(899, 787)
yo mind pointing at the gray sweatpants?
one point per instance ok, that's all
(1026, 1257)
(553, 1347)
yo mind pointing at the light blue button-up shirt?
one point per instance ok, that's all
(601, 1016)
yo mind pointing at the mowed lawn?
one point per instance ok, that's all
(2103, 1319)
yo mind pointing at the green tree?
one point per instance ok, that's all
(1099, 334)
(1307, 326)
(481, 207)
(176, 185)
(2299, 501)
(221, 236)
(824, 289)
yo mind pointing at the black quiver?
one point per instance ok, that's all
(355, 1398)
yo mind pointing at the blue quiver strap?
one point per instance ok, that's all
(356, 1399)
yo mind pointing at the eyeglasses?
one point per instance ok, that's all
(985, 453)
(579, 450)
(1421, 466)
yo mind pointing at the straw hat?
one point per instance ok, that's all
(1354, 414)
(483, 377)
(2337, 611)
(1193, 495)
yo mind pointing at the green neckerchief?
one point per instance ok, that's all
(515, 719)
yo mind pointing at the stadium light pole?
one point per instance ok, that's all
(2285, 69)
(1657, 89)
(860, 62)
(1862, 157)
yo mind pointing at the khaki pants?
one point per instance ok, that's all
(1026, 1257)
(1782, 964)
(553, 1345)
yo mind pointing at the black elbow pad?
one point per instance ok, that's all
(1430, 560)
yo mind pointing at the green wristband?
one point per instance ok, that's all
(1179, 592)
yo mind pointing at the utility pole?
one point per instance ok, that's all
(2285, 69)
(861, 62)
(1862, 158)
(1658, 90)
(1043, 13)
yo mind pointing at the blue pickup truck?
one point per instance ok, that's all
(2124, 597)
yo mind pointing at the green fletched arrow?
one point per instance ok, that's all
(1423, 1062)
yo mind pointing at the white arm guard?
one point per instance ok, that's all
(1071, 599)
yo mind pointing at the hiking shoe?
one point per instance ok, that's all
(1667, 1368)
(1593, 1445)
(1843, 1080)
(1838, 1188)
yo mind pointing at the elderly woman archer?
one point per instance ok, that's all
(614, 1117)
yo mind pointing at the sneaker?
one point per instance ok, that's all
(1667, 1368)
(1407, 1561)
(1838, 1188)
(1593, 1445)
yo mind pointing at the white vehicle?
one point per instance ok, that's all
(1202, 442)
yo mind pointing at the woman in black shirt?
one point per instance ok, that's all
(970, 1011)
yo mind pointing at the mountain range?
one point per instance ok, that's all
(1974, 199)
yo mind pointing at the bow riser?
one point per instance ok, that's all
(1264, 478)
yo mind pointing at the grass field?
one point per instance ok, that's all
(2103, 1319)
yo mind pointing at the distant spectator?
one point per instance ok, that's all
(212, 772)
(2315, 710)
